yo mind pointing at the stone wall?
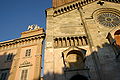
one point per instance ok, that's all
(64, 22)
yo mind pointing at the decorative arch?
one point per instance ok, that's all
(108, 17)
(117, 37)
(102, 10)
(117, 32)
(74, 58)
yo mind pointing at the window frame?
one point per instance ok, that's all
(26, 74)
(9, 57)
(3, 75)
(28, 52)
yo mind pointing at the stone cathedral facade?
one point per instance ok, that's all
(82, 40)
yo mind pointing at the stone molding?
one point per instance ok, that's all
(76, 4)
(25, 64)
(70, 41)
(20, 40)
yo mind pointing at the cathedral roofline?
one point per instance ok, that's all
(84, 1)
(74, 5)
(59, 3)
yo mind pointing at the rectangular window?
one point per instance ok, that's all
(24, 74)
(9, 56)
(28, 52)
(3, 76)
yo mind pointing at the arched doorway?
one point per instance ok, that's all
(79, 77)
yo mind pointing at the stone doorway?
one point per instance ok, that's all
(79, 77)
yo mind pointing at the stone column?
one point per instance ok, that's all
(72, 41)
(76, 41)
(80, 40)
(61, 44)
(86, 40)
(64, 41)
(68, 42)
(83, 41)
(55, 42)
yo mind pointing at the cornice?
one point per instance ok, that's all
(30, 31)
(81, 35)
(76, 4)
(25, 64)
(20, 40)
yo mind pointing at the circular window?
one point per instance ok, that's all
(108, 19)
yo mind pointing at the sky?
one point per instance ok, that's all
(16, 15)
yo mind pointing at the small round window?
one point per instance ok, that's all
(108, 19)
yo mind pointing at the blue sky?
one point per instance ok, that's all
(16, 15)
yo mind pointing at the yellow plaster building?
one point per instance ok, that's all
(20, 59)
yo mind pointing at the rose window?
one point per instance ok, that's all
(108, 19)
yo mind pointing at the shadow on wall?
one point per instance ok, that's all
(5, 65)
(74, 67)
(97, 66)
(108, 61)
